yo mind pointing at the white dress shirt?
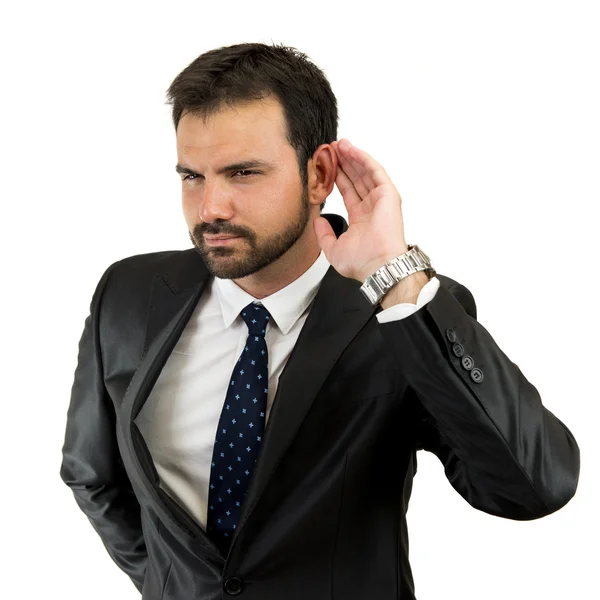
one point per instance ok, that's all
(180, 417)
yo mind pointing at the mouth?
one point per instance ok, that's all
(220, 240)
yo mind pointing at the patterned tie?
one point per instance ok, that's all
(240, 430)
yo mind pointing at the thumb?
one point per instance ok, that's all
(325, 235)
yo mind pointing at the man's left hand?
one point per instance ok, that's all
(375, 231)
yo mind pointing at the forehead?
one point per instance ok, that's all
(256, 126)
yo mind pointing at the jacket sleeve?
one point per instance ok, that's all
(91, 464)
(502, 450)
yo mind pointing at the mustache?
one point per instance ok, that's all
(200, 232)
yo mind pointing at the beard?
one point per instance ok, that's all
(250, 255)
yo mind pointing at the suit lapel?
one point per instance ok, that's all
(338, 314)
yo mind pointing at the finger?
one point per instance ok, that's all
(347, 189)
(366, 166)
(350, 162)
(349, 166)
(346, 184)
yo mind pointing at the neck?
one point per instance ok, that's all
(294, 263)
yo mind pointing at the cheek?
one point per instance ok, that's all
(281, 195)
(189, 208)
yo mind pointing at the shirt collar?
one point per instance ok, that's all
(285, 306)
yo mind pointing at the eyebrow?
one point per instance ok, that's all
(240, 166)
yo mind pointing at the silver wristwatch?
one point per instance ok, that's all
(386, 277)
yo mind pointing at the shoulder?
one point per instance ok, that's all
(163, 260)
(135, 274)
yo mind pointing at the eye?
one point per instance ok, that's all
(247, 173)
(190, 177)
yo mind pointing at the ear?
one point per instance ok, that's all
(322, 171)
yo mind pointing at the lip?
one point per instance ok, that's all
(220, 242)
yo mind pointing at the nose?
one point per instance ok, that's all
(215, 203)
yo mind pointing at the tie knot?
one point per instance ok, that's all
(256, 317)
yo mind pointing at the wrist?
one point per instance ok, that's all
(394, 272)
(375, 265)
(406, 291)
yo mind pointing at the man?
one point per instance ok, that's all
(245, 414)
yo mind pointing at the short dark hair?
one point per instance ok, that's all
(252, 71)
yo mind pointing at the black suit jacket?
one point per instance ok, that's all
(324, 516)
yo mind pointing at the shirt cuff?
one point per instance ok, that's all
(405, 309)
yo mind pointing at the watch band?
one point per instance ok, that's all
(377, 285)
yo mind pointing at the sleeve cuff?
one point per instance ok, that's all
(401, 311)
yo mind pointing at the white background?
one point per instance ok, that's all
(485, 114)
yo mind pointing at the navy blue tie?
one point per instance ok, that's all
(240, 430)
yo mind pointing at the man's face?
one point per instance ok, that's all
(264, 204)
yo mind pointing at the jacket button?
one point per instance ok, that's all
(467, 362)
(451, 335)
(233, 586)
(458, 349)
(477, 375)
